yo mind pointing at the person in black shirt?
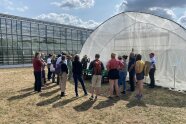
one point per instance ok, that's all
(131, 70)
(77, 75)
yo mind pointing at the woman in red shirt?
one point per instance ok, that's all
(37, 65)
(113, 67)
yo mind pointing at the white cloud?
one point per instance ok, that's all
(182, 20)
(121, 7)
(68, 20)
(163, 12)
(22, 9)
(156, 7)
(68, 4)
(9, 5)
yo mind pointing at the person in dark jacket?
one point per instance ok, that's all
(131, 70)
(63, 76)
(77, 75)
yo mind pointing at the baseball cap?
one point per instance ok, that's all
(151, 54)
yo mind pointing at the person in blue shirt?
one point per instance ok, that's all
(152, 70)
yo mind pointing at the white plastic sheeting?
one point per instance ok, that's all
(145, 33)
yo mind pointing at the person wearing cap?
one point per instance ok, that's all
(152, 70)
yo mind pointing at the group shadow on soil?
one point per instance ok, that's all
(158, 96)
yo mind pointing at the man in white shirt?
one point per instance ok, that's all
(48, 66)
(152, 70)
(59, 60)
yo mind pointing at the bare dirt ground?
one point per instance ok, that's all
(20, 105)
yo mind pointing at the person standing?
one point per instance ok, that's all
(37, 65)
(63, 76)
(123, 74)
(48, 65)
(69, 65)
(97, 67)
(43, 69)
(152, 70)
(77, 70)
(113, 67)
(58, 67)
(131, 70)
(139, 69)
(53, 63)
(85, 62)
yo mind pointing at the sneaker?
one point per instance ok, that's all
(96, 97)
(139, 97)
(86, 94)
(110, 97)
(91, 98)
(62, 94)
(123, 92)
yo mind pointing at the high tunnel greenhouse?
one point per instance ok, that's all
(145, 33)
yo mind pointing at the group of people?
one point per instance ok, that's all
(63, 66)
(67, 66)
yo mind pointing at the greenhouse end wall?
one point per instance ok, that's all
(145, 33)
(21, 37)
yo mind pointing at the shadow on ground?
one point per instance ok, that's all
(48, 101)
(22, 96)
(50, 93)
(84, 106)
(65, 102)
(106, 103)
(158, 96)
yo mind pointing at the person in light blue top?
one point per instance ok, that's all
(152, 70)
(123, 73)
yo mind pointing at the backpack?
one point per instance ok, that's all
(97, 67)
(58, 68)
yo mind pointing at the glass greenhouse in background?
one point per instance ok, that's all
(21, 37)
(145, 33)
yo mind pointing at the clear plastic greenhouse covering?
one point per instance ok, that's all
(145, 33)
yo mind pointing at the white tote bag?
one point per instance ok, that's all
(52, 69)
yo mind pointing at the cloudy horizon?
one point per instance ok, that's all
(91, 13)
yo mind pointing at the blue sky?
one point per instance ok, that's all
(90, 13)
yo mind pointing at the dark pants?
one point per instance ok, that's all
(49, 74)
(132, 81)
(151, 75)
(37, 85)
(53, 77)
(57, 79)
(43, 76)
(80, 79)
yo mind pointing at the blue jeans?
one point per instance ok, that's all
(80, 79)
(122, 79)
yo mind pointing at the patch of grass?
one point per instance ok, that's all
(19, 104)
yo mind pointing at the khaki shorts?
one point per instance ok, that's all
(96, 80)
